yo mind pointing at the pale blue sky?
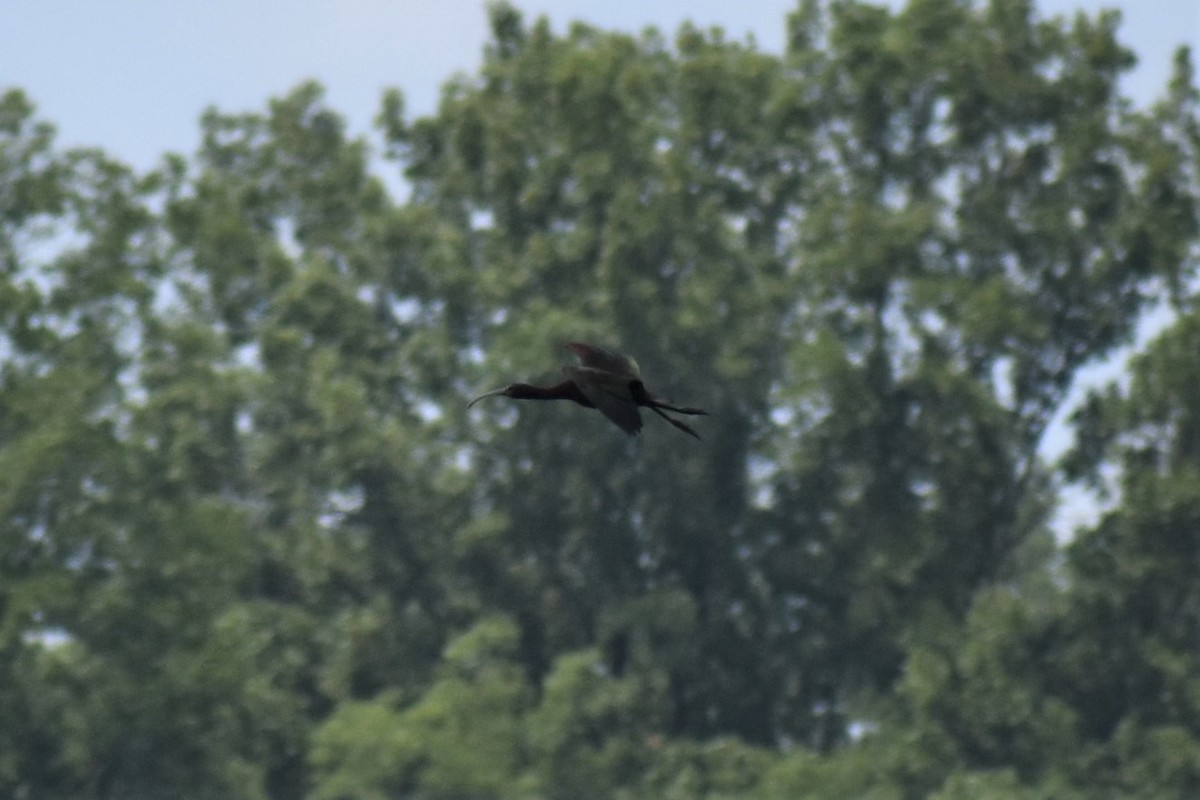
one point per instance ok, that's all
(133, 76)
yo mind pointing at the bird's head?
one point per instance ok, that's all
(504, 391)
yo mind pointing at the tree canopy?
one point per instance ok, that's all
(254, 545)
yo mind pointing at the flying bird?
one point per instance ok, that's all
(604, 380)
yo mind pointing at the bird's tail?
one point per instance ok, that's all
(657, 402)
(685, 428)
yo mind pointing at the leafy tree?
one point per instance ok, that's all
(278, 235)
(888, 253)
(257, 547)
(75, 269)
(1129, 640)
(1078, 691)
(218, 376)
(1093, 693)
(463, 739)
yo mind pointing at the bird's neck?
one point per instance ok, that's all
(566, 390)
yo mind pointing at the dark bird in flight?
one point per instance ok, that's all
(608, 381)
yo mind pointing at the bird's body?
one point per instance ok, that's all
(604, 380)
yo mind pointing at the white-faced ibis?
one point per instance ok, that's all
(608, 381)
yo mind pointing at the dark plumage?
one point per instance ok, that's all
(604, 380)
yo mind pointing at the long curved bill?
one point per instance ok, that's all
(492, 393)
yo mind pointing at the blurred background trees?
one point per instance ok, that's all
(253, 544)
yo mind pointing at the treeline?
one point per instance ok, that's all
(253, 544)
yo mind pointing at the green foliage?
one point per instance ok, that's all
(591, 730)
(364, 750)
(859, 772)
(252, 544)
(462, 739)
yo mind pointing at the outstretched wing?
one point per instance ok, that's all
(605, 360)
(610, 393)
